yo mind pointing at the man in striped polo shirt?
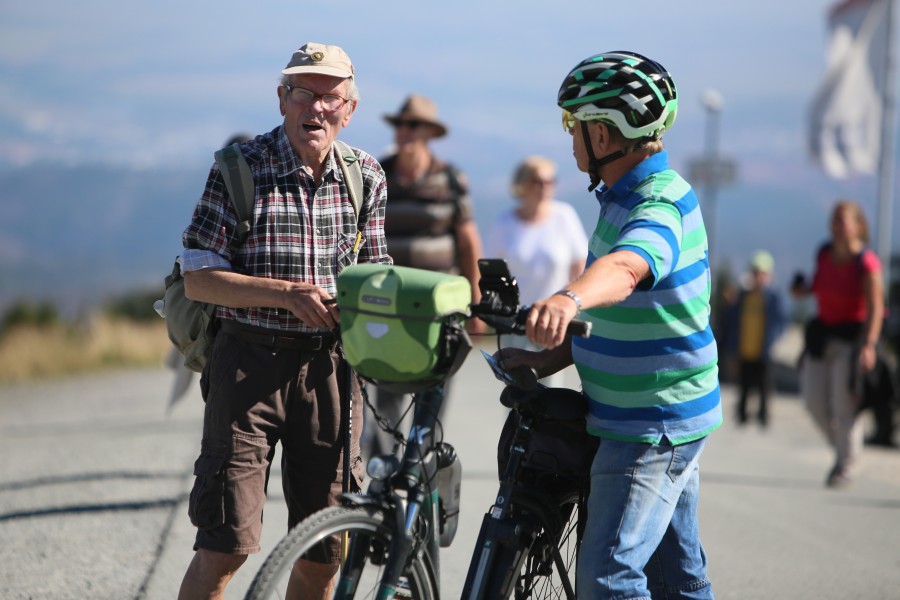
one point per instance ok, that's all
(649, 368)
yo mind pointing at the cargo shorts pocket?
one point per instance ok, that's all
(206, 506)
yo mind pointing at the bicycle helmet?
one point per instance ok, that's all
(625, 89)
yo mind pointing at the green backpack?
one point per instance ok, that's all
(403, 328)
(191, 325)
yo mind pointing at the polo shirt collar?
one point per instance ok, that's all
(650, 165)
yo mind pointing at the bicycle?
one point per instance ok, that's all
(529, 539)
(390, 535)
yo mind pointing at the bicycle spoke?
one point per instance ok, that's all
(542, 577)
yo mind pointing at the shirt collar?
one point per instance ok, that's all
(289, 160)
(650, 165)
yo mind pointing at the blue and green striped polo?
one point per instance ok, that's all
(649, 367)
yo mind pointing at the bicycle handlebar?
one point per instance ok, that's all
(511, 319)
(499, 306)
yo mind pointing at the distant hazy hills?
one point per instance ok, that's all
(78, 235)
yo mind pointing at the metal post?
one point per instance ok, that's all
(886, 159)
(712, 102)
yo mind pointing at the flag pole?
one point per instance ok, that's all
(886, 159)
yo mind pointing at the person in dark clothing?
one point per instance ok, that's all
(429, 224)
(755, 322)
(879, 394)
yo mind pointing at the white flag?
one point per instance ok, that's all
(847, 113)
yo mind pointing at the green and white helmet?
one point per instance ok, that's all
(635, 94)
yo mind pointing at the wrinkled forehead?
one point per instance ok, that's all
(320, 83)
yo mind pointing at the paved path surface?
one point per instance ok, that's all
(96, 473)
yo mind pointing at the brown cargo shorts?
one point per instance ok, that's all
(255, 397)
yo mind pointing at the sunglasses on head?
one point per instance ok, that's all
(410, 124)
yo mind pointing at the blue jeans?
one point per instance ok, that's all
(642, 540)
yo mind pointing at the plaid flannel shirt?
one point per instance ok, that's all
(300, 232)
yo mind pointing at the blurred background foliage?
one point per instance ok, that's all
(36, 342)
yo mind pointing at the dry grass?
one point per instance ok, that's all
(28, 353)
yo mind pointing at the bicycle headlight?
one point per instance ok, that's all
(382, 467)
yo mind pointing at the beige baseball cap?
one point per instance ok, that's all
(319, 58)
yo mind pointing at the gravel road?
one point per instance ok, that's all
(96, 473)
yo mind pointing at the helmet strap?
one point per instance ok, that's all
(594, 163)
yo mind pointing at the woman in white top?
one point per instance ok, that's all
(542, 239)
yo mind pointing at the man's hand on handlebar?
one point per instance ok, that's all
(548, 319)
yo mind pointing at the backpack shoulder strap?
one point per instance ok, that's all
(352, 172)
(453, 179)
(239, 181)
(456, 186)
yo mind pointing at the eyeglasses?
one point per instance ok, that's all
(305, 97)
(410, 124)
(539, 181)
(568, 121)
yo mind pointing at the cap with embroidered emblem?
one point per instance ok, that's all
(319, 58)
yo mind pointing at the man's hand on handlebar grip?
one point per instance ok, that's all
(547, 322)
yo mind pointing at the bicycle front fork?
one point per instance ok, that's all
(500, 551)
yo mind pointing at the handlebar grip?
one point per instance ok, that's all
(579, 328)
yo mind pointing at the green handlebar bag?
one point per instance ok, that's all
(403, 328)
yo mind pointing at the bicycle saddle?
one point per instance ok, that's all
(551, 403)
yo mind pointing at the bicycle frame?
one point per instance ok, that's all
(411, 494)
(504, 529)
(522, 519)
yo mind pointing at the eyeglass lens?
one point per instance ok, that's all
(308, 97)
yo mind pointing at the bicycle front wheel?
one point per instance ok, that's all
(364, 536)
(544, 574)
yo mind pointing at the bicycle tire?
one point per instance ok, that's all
(367, 525)
(538, 578)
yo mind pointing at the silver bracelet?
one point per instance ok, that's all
(571, 295)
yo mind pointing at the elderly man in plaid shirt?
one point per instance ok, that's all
(274, 373)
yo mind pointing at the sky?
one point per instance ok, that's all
(146, 84)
